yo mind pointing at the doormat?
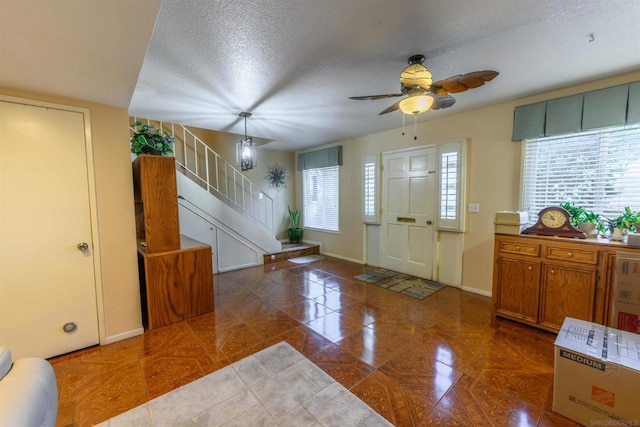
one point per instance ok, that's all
(415, 287)
(306, 259)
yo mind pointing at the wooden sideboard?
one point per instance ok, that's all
(541, 280)
(176, 272)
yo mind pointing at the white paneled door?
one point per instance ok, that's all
(408, 212)
(47, 274)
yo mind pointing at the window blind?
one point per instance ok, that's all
(451, 182)
(320, 198)
(370, 185)
(598, 170)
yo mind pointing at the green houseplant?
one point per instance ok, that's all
(585, 220)
(147, 139)
(621, 225)
(295, 233)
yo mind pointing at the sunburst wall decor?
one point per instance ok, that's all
(277, 176)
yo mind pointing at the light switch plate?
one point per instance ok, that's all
(474, 207)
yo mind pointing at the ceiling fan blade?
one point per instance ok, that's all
(393, 107)
(443, 102)
(463, 82)
(374, 97)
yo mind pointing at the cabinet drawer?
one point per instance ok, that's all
(583, 256)
(512, 247)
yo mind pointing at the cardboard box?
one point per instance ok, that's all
(510, 222)
(597, 374)
(625, 295)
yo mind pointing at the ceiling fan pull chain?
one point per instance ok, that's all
(415, 127)
(403, 124)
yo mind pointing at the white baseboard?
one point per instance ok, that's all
(477, 291)
(357, 261)
(123, 336)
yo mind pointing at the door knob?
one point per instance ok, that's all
(82, 246)
(429, 222)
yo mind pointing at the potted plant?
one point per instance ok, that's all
(586, 221)
(620, 226)
(147, 139)
(576, 212)
(295, 233)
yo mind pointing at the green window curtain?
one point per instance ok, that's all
(613, 106)
(320, 158)
(605, 107)
(528, 121)
(564, 115)
(633, 109)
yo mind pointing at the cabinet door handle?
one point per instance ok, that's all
(569, 254)
(530, 268)
(517, 248)
(553, 271)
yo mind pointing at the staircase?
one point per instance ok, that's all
(219, 206)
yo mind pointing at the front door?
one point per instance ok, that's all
(47, 283)
(408, 211)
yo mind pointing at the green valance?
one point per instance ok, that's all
(320, 158)
(613, 106)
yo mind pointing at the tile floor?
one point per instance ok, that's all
(276, 386)
(439, 361)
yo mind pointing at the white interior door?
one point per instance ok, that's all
(46, 280)
(408, 211)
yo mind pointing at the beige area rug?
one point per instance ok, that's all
(306, 259)
(277, 386)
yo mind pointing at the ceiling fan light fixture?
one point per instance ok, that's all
(416, 75)
(416, 104)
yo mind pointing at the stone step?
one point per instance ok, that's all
(291, 250)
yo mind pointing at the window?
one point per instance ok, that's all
(451, 185)
(598, 170)
(370, 186)
(320, 197)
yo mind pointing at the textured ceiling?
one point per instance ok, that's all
(293, 64)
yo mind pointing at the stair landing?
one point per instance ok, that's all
(291, 250)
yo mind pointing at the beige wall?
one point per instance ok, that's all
(494, 177)
(116, 225)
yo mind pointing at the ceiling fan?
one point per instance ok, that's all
(422, 94)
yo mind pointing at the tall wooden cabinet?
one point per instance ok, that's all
(541, 280)
(176, 272)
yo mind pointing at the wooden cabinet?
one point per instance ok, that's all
(541, 280)
(175, 285)
(176, 274)
(156, 201)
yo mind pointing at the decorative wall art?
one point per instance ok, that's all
(277, 176)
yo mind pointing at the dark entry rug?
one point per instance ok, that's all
(399, 282)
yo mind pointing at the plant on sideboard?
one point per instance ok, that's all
(587, 221)
(147, 139)
(620, 225)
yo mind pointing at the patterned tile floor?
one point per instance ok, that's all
(440, 360)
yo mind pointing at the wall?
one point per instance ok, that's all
(494, 177)
(114, 193)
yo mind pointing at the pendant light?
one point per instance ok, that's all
(246, 149)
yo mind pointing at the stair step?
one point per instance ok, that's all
(291, 250)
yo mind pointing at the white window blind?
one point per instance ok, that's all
(449, 185)
(598, 170)
(451, 181)
(320, 197)
(370, 185)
